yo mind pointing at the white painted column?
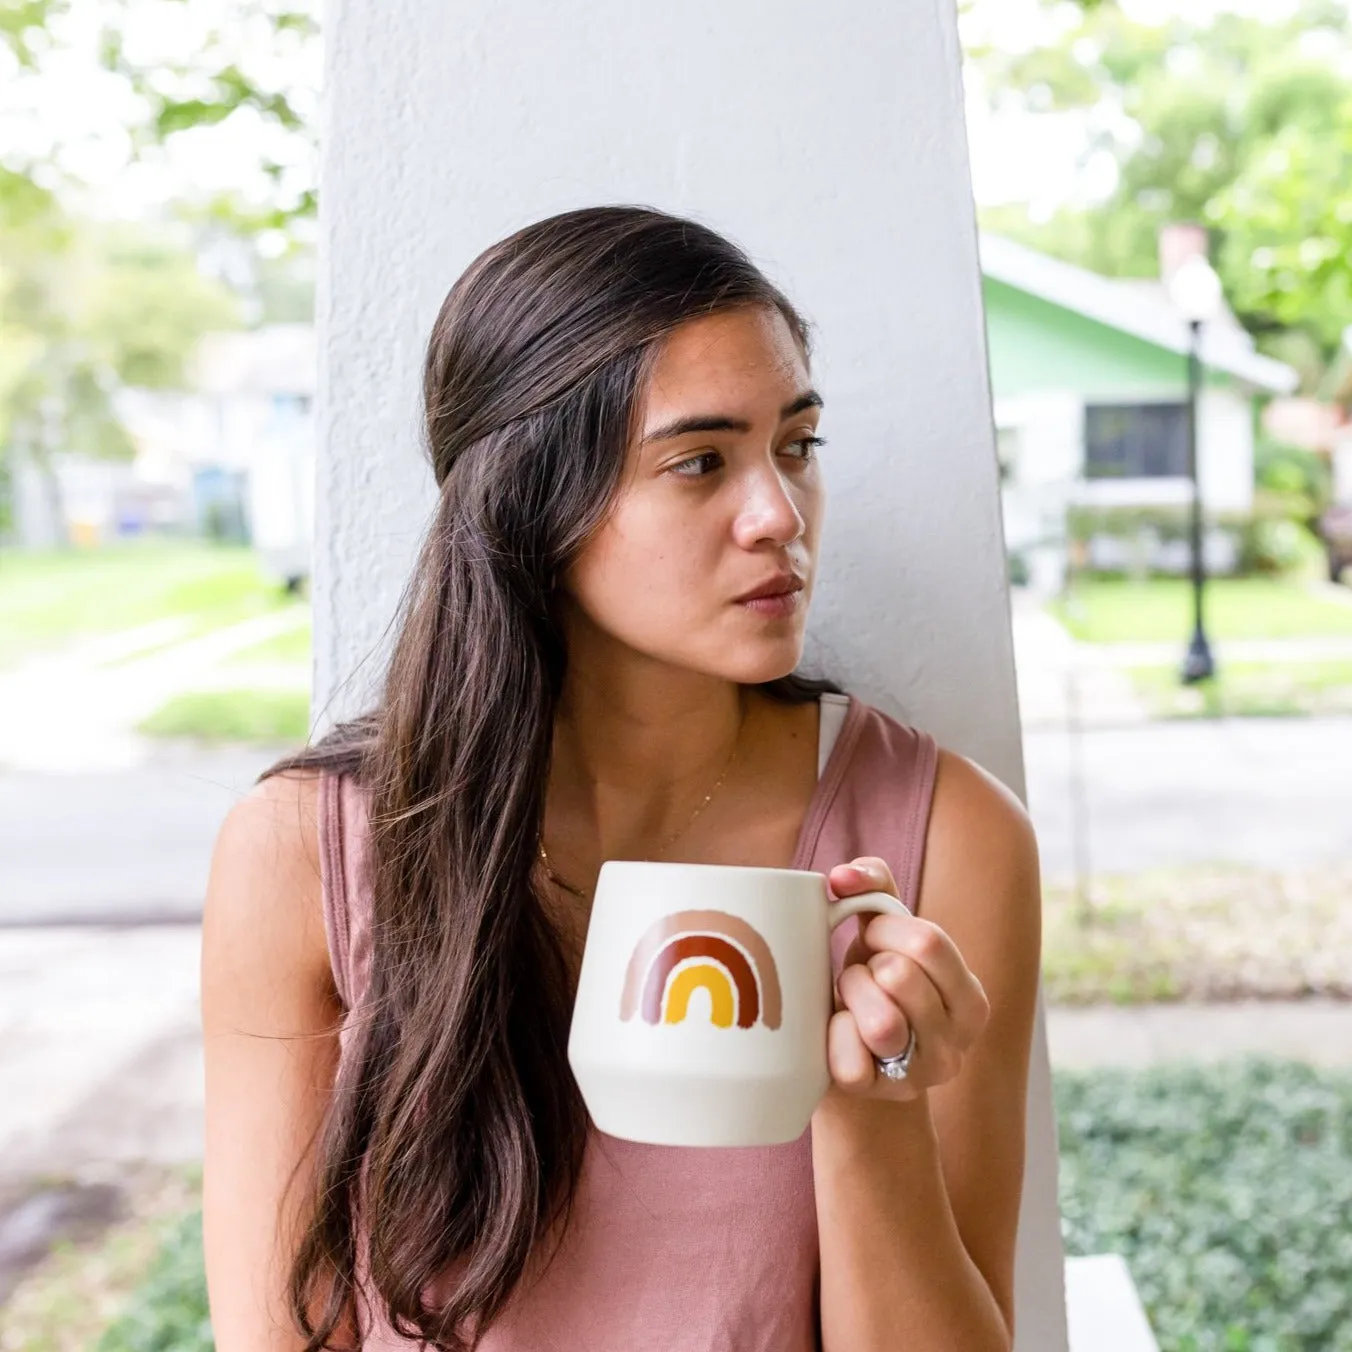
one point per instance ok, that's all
(828, 141)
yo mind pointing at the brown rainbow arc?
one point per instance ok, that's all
(693, 934)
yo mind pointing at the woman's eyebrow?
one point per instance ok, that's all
(718, 422)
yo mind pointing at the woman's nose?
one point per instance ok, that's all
(768, 511)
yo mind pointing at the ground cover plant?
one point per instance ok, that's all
(169, 1311)
(68, 1301)
(262, 717)
(294, 646)
(1248, 689)
(1227, 1188)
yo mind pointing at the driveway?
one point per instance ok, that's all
(136, 843)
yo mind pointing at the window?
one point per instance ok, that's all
(1136, 441)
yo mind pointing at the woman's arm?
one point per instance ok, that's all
(269, 1018)
(918, 1185)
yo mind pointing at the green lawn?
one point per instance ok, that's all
(1248, 689)
(51, 598)
(293, 646)
(1159, 610)
(265, 717)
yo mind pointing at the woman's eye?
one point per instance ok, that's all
(698, 465)
(807, 447)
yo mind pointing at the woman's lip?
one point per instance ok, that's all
(776, 604)
(787, 586)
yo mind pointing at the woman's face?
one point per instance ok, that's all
(721, 497)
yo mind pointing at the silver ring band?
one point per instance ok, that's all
(897, 1067)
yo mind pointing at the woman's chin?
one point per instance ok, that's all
(754, 664)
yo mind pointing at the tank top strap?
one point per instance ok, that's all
(345, 884)
(874, 798)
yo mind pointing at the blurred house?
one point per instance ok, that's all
(259, 389)
(1089, 378)
(231, 457)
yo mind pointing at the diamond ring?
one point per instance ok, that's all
(897, 1067)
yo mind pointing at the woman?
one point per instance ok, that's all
(595, 660)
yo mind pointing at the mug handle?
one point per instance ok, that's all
(877, 902)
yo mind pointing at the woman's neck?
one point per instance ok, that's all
(635, 752)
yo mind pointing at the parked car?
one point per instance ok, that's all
(1335, 529)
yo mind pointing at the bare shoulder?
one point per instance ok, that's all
(972, 807)
(980, 878)
(263, 918)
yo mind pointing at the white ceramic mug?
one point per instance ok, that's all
(703, 1001)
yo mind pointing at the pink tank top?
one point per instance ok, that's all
(683, 1250)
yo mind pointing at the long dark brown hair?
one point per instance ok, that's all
(455, 1132)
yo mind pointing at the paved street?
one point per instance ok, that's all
(1266, 792)
(136, 843)
(117, 844)
(100, 1058)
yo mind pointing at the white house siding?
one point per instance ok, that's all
(1225, 449)
(1045, 434)
(1224, 462)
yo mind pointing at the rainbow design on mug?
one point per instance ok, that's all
(702, 950)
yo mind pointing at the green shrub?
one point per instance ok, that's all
(1301, 479)
(1273, 539)
(1228, 1190)
(168, 1313)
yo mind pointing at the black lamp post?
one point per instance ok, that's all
(1196, 291)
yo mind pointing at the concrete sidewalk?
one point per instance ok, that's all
(81, 706)
(1315, 1031)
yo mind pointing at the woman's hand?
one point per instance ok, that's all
(900, 973)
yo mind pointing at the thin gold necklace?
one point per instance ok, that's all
(582, 895)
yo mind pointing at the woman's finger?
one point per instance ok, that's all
(882, 1025)
(868, 873)
(908, 986)
(851, 1063)
(932, 950)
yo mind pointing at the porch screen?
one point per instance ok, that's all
(1135, 441)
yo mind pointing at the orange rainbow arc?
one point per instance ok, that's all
(710, 950)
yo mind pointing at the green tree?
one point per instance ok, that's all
(1240, 124)
(86, 309)
(208, 86)
(83, 313)
(1285, 225)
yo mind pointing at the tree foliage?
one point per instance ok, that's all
(83, 313)
(87, 308)
(241, 68)
(1243, 125)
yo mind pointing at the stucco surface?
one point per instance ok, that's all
(831, 144)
